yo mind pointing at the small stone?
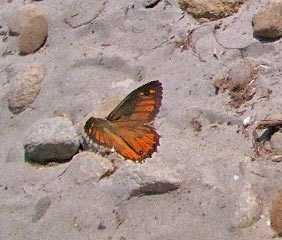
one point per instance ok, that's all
(25, 88)
(267, 23)
(249, 208)
(88, 166)
(22, 17)
(210, 9)
(276, 214)
(247, 121)
(276, 143)
(33, 36)
(51, 140)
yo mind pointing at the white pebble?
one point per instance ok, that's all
(247, 121)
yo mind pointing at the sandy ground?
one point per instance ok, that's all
(91, 68)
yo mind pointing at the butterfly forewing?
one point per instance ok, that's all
(141, 105)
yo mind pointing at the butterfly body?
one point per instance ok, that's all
(128, 128)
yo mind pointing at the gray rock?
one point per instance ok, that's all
(138, 179)
(53, 139)
(88, 166)
(211, 10)
(25, 88)
(267, 23)
(249, 208)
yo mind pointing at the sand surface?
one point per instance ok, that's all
(95, 54)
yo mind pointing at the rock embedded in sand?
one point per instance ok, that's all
(33, 36)
(210, 9)
(249, 208)
(150, 3)
(267, 23)
(138, 179)
(276, 214)
(25, 88)
(88, 166)
(51, 140)
(22, 16)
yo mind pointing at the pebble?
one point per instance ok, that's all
(249, 208)
(267, 23)
(25, 88)
(33, 36)
(22, 17)
(276, 214)
(211, 10)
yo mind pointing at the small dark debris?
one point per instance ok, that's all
(272, 126)
(101, 226)
(3, 33)
(266, 136)
(196, 124)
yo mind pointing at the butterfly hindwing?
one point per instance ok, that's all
(100, 131)
(142, 139)
(141, 105)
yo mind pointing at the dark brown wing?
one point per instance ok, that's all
(141, 105)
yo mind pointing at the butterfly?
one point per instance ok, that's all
(127, 129)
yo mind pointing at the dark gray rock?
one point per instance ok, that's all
(53, 139)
